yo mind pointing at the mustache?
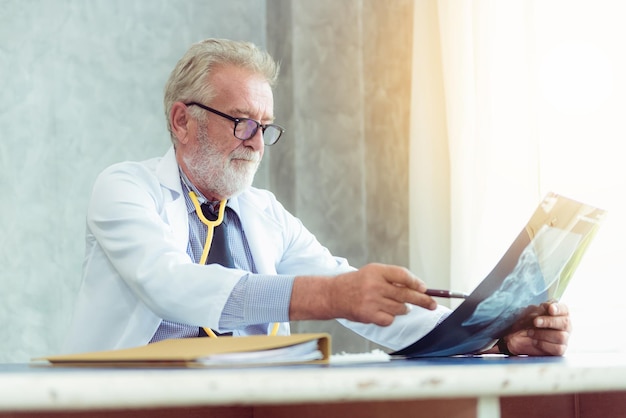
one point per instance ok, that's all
(245, 154)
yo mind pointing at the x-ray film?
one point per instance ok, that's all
(536, 268)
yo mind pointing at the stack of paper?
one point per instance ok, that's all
(203, 352)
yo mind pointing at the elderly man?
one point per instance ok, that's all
(183, 245)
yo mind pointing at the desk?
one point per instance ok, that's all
(574, 386)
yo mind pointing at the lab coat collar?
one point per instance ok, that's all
(174, 204)
(167, 173)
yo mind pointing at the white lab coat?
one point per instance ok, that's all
(136, 269)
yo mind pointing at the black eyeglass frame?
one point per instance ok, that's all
(237, 121)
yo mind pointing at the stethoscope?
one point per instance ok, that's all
(210, 224)
(207, 244)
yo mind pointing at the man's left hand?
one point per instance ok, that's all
(546, 333)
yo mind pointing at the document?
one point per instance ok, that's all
(208, 352)
(536, 268)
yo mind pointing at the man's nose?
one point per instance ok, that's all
(256, 140)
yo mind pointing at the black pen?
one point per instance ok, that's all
(445, 294)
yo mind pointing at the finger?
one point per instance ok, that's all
(405, 295)
(548, 336)
(382, 319)
(403, 277)
(558, 309)
(386, 313)
(553, 322)
(554, 308)
(394, 308)
(550, 347)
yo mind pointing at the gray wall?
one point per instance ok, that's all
(81, 87)
(344, 170)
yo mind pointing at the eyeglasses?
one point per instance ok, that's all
(246, 128)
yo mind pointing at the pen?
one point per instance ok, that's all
(446, 294)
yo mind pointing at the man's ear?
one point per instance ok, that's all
(179, 121)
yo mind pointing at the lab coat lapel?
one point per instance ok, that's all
(262, 232)
(173, 201)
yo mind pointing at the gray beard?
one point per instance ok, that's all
(222, 177)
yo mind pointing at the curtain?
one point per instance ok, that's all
(510, 100)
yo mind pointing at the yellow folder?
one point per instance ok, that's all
(209, 352)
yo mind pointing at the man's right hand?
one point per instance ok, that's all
(375, 294)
